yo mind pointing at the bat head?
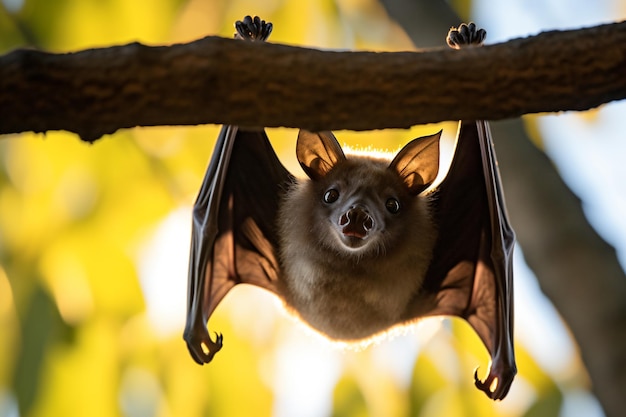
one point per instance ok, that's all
(362, 203)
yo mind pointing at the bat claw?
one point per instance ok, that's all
(465, 35)
(253, 29)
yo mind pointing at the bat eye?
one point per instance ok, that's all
(331, 196)
(392, 205)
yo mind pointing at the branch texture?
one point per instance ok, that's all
(224, 81)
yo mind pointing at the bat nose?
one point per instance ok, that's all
(356, 222)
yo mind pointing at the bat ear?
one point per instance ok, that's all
(418, 162)
(318, 153)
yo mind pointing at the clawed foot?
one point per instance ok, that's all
(201, 347)
(497, 383)
(253, 29)
(465, 35)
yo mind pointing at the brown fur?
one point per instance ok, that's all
(346, 292)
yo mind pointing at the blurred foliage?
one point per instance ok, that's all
(78, 337)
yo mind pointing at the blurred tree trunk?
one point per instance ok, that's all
(577, 270)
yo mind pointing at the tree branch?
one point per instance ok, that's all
(225, 81)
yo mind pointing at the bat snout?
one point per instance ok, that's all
(356, 222)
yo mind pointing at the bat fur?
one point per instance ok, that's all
(352, 266)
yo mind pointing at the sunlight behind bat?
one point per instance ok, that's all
(447, 145)
(163, 257)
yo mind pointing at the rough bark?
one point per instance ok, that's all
(216, 80)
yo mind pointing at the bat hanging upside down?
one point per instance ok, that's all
(362, 245)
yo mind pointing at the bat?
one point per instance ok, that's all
(361, 245)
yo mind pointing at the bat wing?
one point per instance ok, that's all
(471, 272)
(233, 231)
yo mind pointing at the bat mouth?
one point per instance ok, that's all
(356, 234)
(354, 242)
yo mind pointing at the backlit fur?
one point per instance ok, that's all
(351, 293)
